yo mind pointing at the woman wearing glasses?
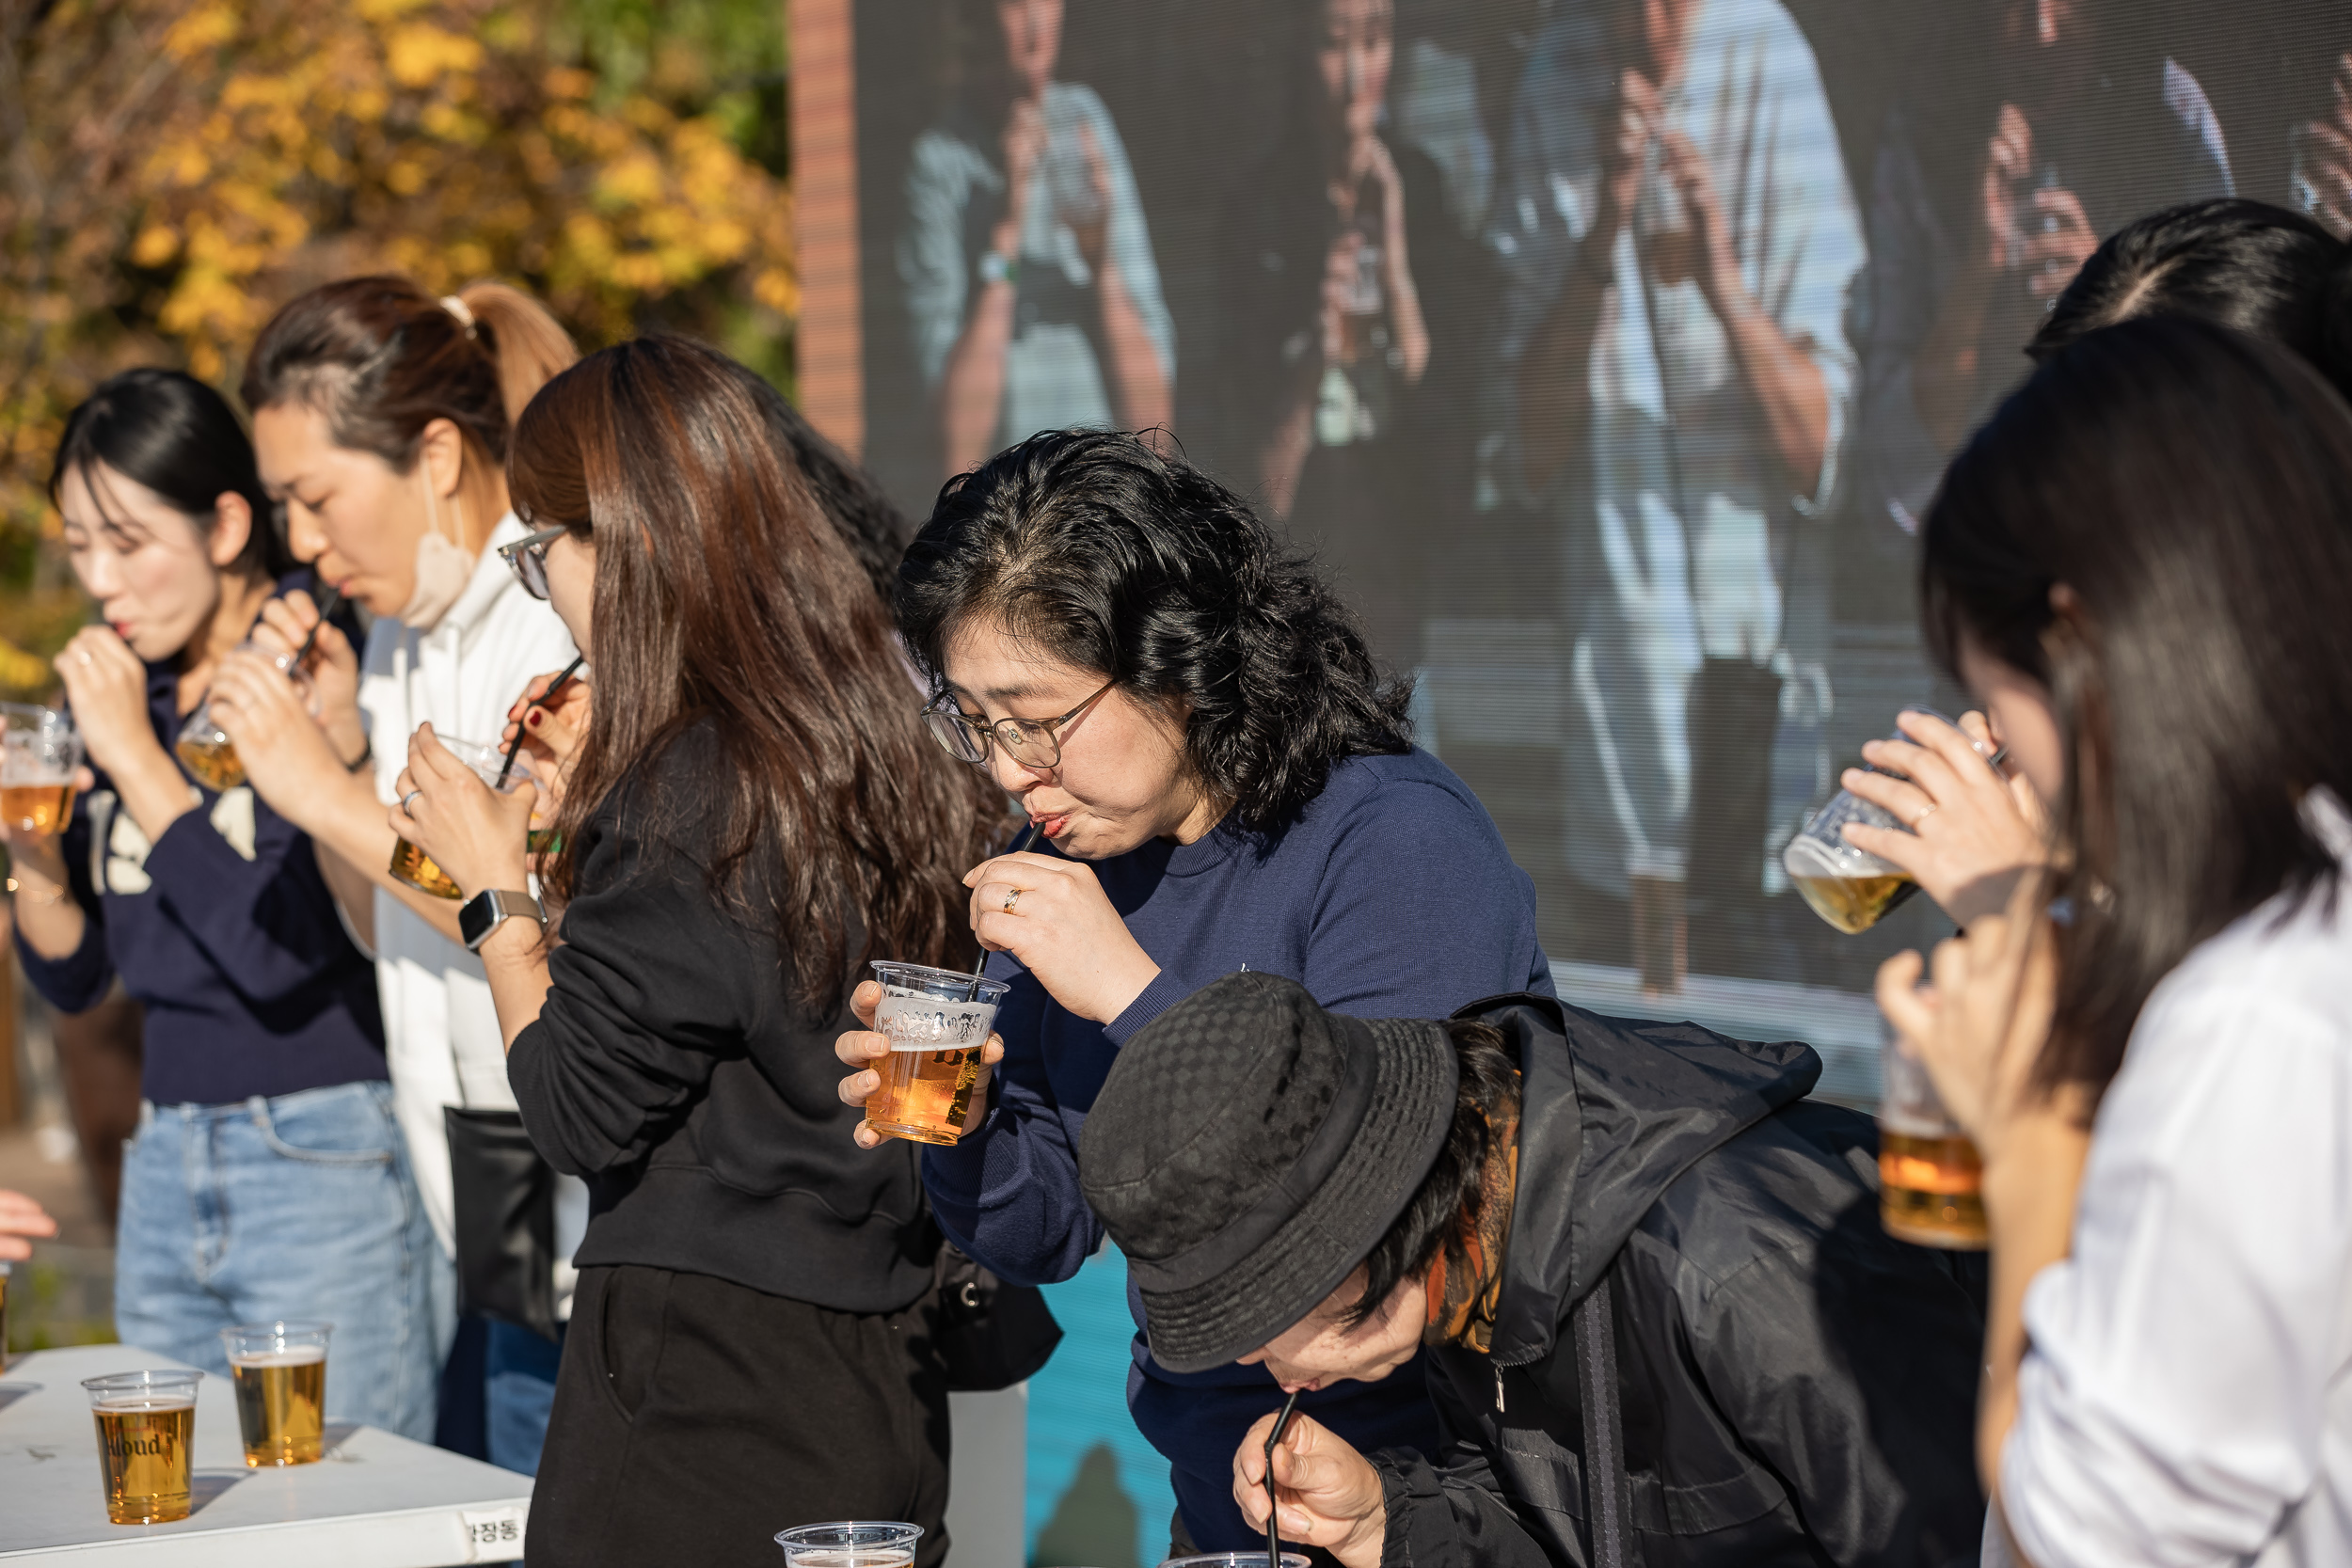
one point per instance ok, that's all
(1222, 781)
(753, 813)
(380, 417)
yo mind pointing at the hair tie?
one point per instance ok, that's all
(457, 308)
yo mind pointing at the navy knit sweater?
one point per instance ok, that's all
(225, 929)
(1391, 896)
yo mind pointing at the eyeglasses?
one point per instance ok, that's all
(1030, 743)
(528, 557)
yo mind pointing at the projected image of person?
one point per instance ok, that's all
(2322, 147)
(1678, 238)
(1974, 233)
(1331, 334)
(1032, 296)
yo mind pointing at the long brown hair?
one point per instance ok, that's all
(723, 593)
(381, 358)
(2192, 487)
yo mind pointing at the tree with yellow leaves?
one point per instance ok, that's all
(171, 172)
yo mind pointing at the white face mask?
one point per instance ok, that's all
(443, 569)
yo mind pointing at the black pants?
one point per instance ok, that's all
(695, 1418)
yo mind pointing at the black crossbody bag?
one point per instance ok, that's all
(990, 1334)
(504, 1201)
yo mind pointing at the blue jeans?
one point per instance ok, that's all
(301, 1206)
(519, 1387)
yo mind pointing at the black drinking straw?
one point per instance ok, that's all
(979, 970)
(554, 687)
(329, 596)
(1273, 1534)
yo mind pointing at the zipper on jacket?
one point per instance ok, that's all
(1497, 1388)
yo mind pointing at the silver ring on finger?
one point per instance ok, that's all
(405, 799)
(1012, 899)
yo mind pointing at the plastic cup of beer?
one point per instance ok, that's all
(279, 1370)
(146, 1422)
(39, 751)
(1931, 1183)
(204, 748)
(937, 1021)
(850, 1544)
(1850, 888)
(413, 865)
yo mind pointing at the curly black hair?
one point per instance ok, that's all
(1121, 559)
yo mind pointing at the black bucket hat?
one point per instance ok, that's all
(1249, 1150)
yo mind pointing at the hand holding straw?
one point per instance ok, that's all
(979, 970)
(1273, 1507)
(329, 596)
(554, 685)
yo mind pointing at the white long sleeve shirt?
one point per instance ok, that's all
(2185, 1398)
(441, 1034)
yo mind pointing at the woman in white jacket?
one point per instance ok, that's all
(381, 418)
(2141, 568)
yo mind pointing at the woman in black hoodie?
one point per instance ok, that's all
(753, 813)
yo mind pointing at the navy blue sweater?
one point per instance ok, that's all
(1391, 896)
(225, 930)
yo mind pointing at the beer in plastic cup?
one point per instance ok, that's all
(1850, 888)
(937, 1020)
(38, 753)
(204, 748)
(413, 865)
(146, 1422)
(851, 1543)
(279, 1372)
(1930, 1184)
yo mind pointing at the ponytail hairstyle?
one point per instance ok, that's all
(177, 437)
(2192, 487)
(2264, 271)
(1136, 566)
(381, 358)
(724, 597)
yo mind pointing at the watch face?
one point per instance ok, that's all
(477, 918)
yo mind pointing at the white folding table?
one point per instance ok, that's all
(376, 1501)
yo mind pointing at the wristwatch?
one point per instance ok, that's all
(487, 910)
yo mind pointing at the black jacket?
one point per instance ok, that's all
(671, 1067)
(1797, 1388)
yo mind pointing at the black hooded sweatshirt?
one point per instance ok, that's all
(1796, 1386)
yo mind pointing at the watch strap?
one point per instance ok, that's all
(487, 910)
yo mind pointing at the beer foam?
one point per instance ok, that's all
(143, 1404)
(1807, 856)
(929, 1023)
(302, 1355)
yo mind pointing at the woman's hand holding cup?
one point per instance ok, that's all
(862, 1050)
(1974, 831)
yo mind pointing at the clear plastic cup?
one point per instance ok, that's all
(146, 1422)
(1234, 1559)
(279, 1370)
(39, 750)
(850, 1544)
(1850, 888)
(413, 865)
(937, 1020)
(1931, 1183)
(204, 748)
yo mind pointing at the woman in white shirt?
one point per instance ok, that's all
(381, 419)
(2142, 566)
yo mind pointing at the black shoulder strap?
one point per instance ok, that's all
(1608, 1492)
